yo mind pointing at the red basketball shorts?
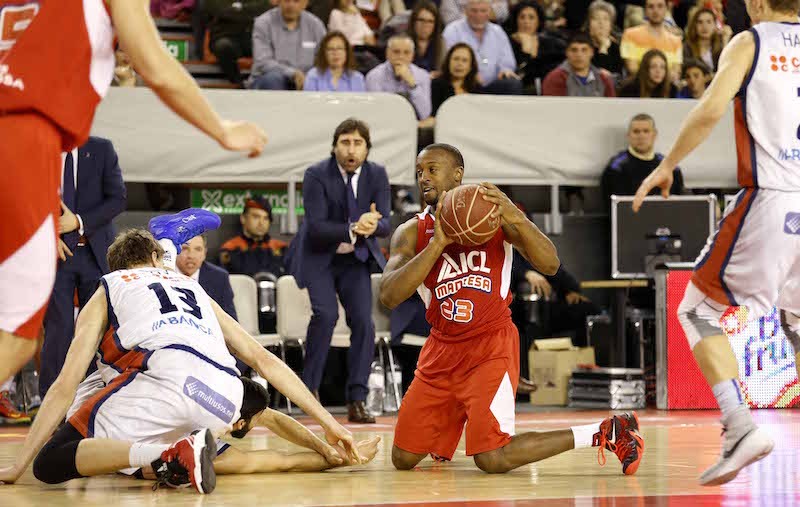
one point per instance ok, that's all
(472, 382)
(30, 155)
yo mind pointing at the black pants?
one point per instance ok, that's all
(228, 50)
(55, 463)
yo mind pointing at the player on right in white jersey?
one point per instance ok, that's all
(164, 345)
(753, 262)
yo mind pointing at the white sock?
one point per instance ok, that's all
(584, 435)
(729, 396)
(141, 455)
(170, 253)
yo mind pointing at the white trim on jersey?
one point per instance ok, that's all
(26, 289)
(424, 292)
(505, 279)
(101, 37)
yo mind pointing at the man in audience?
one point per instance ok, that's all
(92, 194)
(284, 44)
(230, 27)
(496, 62)
(697, 76)
(347, 205)
(577, 77)
(653, 34)
(627, 169)
(253, 251)
(454, 9)
(398, 75)
(213, 279)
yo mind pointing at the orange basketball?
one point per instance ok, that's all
(465, 216)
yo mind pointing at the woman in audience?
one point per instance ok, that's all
(652, 79)
(334, 67)
(346, 18)
(459, 75)
(537, 53)
(704, 39)
(599, 24)
(425, 29)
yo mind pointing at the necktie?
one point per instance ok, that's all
(360, 251)
(68, 196)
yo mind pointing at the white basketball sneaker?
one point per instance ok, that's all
(738, 451)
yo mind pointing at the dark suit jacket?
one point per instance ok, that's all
(217, 284)
(326, 219)
(100, 195)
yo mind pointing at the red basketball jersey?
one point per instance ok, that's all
(57, 60)
(467, 291)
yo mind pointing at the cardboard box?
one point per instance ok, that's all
(551, 363)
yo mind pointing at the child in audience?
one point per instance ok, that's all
(697, 75)
(346, 18)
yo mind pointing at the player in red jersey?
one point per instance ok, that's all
(469, 367)
(56, 63)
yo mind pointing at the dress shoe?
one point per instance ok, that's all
(525, 386)
(357, 413)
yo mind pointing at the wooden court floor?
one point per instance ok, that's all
(679, 445)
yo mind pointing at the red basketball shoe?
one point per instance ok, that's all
(620, 435)
(189, 461)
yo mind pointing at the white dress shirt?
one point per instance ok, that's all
(75, 176)
(346, 248)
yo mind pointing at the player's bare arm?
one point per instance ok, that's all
(406, 270)
(734, 64)
(532, 243)
(284, 379)
(289, 429)
(92, 323)
(169, 80)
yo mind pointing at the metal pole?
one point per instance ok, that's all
(292, 211)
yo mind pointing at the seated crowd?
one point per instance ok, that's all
(535, 47)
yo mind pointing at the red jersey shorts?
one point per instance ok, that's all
(472, 382)
(30, 155)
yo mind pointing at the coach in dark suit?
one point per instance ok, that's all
(347, 204)
(92, 194)
(213, 279)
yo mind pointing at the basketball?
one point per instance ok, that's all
(465, 216)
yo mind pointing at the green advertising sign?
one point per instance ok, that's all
(230, 201)
(178, 48)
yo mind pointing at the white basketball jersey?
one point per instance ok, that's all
(151, 309)
(767, 111)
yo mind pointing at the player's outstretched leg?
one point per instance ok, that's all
(179, 228)
(618, 434)
(189, 461)
(743, 442)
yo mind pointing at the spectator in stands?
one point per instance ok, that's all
(425, 29)
(347, 205)
(554, 15)
(496, 62)
(600, 24)
(398, 75)
(459, 75)
(697, 76)
(651, 80)
(124, 75)
(213, 279)
(253, 251)
(334, 67)
(346, 18)
(577, 77)
(93, 194)
(536, 52)
(453, 10)
(230, 27)
(284, 44)
(627, 169)
(704, 39)
(654, 34)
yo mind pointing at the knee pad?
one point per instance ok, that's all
(699, 315)
(55, 463)
(790, 323)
